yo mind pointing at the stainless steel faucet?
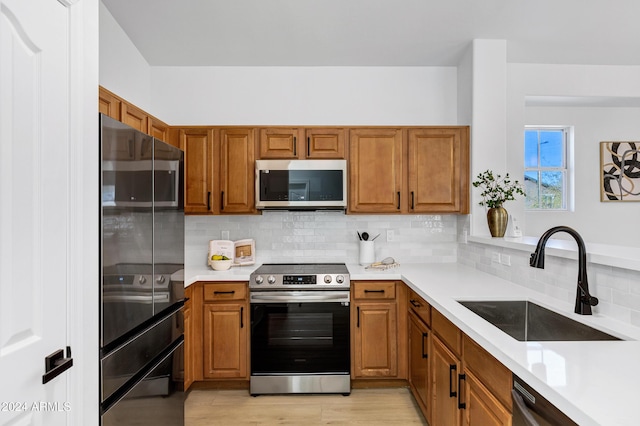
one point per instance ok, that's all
(584, 301)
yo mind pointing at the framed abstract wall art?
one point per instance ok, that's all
(619, 171)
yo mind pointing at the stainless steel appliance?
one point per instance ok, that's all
(301, 184)
(300, 334)
(531, 409)
(142, 284)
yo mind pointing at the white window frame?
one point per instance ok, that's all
(568, 169)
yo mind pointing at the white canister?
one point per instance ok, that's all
(367, 252)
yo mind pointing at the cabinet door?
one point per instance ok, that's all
(419, 348)
(158, 129)
(237, 173)
(481, 407)
(225, 340)
(279, 142)
(325, 143)
(445, 368)
(197, 144)
(375, 171)
(438, 170)
(109, 104)
(135, 117)
(376, 340)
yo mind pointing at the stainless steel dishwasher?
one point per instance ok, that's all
(531, 409)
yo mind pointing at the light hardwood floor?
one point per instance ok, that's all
(363, 407)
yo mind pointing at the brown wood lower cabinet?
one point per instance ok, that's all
(445, 367)
(419, 363)
(218, 331)
(481, 406)
(378, 332)
(225, 340)
(465, 384)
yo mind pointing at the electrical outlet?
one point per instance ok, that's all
(505, 259)
(224, 235)
(390, 235)
(495, 257)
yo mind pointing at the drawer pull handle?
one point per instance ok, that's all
(224, 292)
(452, 372)
(424, 335)
(461, 404)
(414, 303)
(374, 291)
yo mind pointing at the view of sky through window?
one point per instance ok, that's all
(545, 168)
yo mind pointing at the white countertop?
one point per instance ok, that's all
(594, 383)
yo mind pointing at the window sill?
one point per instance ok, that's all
(602, 254)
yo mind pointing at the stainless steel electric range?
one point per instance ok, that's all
(300, 334)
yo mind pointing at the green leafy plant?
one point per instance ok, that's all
(497, 189)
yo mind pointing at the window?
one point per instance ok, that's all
(545, 167)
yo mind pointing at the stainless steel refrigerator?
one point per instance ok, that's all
(142, 284)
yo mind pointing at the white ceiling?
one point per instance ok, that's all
(377, 32)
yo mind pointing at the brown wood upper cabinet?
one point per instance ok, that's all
(375, 170)
(119, 109)
(198, 146)
(219, 169)
(300, 143)
(409, 170)
(237, 174)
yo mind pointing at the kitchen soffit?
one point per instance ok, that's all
(377, 33)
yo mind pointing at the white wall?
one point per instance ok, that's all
(123, 70)
(488, 134)
(305, 95)
(597, 222)
(592, 125)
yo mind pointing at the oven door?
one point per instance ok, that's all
(300, 333)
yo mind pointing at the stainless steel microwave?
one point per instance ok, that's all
(301, 184)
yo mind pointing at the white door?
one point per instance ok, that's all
(35, 208)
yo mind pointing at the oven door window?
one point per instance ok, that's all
(299, 338)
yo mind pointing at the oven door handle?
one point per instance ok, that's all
(136, 298)
(300, 297)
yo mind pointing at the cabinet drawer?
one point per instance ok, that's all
(223, 292)
(368, 290)
(447, 331)
(493, 375)
(418, 305)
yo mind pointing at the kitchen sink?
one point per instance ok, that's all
(526, 321)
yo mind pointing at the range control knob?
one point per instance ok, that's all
(259, 280)
(339, 279)
(271, 279)
(160, 279)
(327, 279)
(142, 279)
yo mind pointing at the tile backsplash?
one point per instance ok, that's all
(327, 236)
